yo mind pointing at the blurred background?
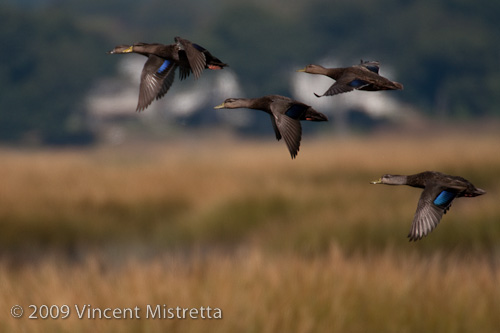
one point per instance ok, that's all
(59, 86)
(196, 206)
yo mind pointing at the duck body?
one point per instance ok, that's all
(439, 192)
(158, 73)
(285, 114)
(363, 76)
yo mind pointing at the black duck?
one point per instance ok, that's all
(159, 70)
(363, 76)
(439, 192)
(285, 113)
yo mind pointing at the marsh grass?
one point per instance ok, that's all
(262, 292)
(295, 246)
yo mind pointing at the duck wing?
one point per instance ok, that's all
(196, 58)
(336, 88)
(345, 83)
(433, 203)
(286, 124)
(184, 72)
(156, 79)
(372, 66)
(275, 127)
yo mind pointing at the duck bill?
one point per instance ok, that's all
(376, 181)
(301, 70)
(220, 106)
(122, 49)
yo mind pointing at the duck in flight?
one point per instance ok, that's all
(285, 113)
(439, 192)
(159, 70)
(363, 76)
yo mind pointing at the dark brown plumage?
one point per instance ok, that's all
(363, 76)
(285, 113)
(159, 70)
(439, 192)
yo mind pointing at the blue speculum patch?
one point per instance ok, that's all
(373, 68)
(444, 198)
(295, 111)
(163, 67)
(357, 83)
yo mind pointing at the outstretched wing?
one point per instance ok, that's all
(286, 126)
(195, 57)
(156, 79)
(345, 83)
(336, 88)
(433, 203)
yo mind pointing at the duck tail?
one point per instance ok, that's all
(478, 191)
(398, 86)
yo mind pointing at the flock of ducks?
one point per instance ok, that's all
(158, 73)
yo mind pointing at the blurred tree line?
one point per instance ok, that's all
(446, 52)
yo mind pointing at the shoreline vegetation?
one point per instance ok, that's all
(258, 291)
(277, 245)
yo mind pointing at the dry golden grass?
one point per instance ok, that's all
(261, 292)
(279, 245)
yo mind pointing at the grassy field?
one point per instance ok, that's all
(278, 245)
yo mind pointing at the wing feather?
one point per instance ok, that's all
(428, 214)
(290, 130)
(336, 88)
(156, 79)
(196, 58)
